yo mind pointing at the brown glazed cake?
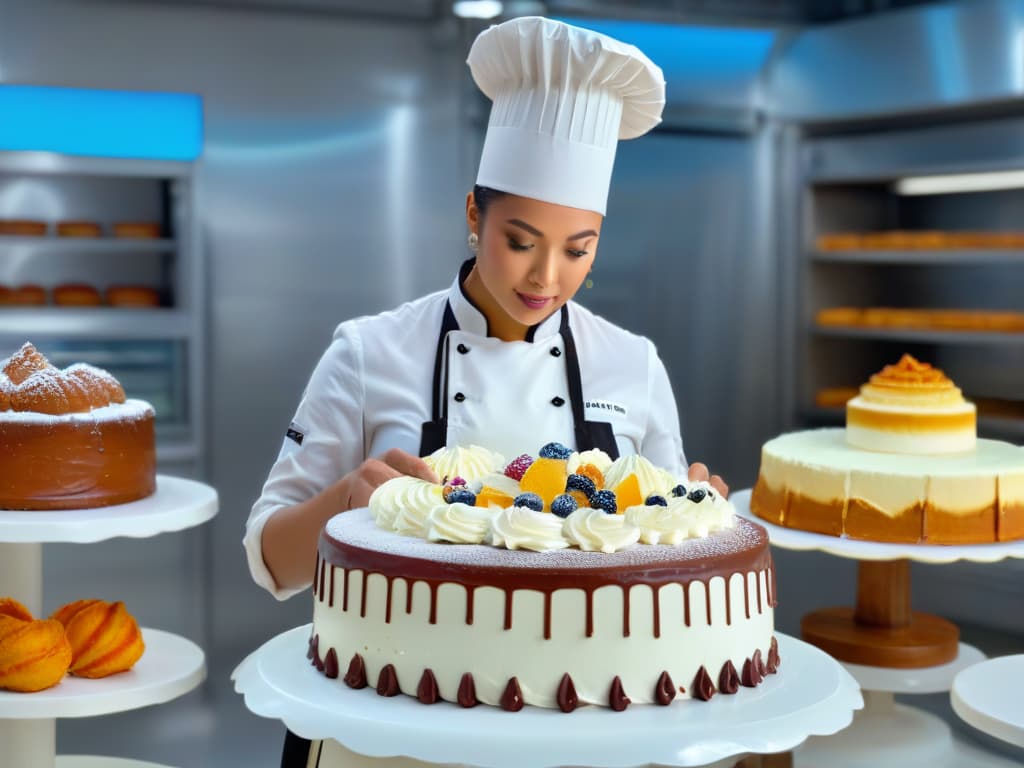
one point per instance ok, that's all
(69, 439)
(471, 623)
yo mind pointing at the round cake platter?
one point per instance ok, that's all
(170, 667)
(811, 694)
(987, 697)
(888, 649)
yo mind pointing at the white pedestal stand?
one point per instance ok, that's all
(171, 665)
(812, 694)
(885, 733)
(987, 696)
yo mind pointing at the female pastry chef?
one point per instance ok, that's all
(503, 358)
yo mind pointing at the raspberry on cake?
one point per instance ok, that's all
(69, 439)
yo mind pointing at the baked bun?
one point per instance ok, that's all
(104, 637)
(28, 295)
(149, 230)
(23, 227)
(29, 383)
(34, 655)
(76, 295)
(13, 609)
(78, 229)
(132, 296)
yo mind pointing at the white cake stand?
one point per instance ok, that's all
(811, 695)
(987, 696)
(885, 733)
(171, 665)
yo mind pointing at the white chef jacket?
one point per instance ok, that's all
(372, 391)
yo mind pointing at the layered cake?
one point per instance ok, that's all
(479, 590)
(908, 468)
(69, 439)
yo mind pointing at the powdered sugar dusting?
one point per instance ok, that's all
(129, 410)
(358, 528)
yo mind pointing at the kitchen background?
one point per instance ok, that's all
(339, 138)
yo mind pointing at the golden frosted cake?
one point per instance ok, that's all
(69, 439)
(907, 468)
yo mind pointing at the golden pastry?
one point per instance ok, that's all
(104, 637)
(34, 655)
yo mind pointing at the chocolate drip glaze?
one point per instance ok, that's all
(707, 597)
(547, 614)
(467, 691)
(728, 604)
(387, 607)
(686, 604)
(508, 609)
(512, 698)
(728, 680)
(773, 657)
(590, 612)
(362, 598)
(760, 609)
(625, 612)
(746, 594)
(356, 675)
(567, 698)
(617, 698)
(344, 589)
(426, 691)
(323, 571)
(408, 595)
(758, 663)
(331, 664)
(433, 601)
(387, 683)
(315, 572)
(750, 678)
(702, 686)
(330, 598)
(470, 595)
(665, 690)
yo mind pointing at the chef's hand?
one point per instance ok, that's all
(363, 481)
(699, 471)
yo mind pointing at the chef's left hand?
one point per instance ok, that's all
(699, 471)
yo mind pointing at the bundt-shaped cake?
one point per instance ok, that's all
(34, 655)
(104, 637)
(68, 437)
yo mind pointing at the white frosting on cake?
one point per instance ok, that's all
(594, 530)
(652, 479)
(128, 410)
(468, 462)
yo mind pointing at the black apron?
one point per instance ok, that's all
(588, 434)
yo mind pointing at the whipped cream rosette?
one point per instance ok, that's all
(468, 462)
(458, 523)
(594, 530)
(525, 528)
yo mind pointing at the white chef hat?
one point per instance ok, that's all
(562, 98)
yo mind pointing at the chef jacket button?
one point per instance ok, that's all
(463, 349)
(556, 352)
(557, 402)
(459, 397)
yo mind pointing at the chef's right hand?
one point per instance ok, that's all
(363, 481)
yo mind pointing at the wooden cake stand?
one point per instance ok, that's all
(889, 649)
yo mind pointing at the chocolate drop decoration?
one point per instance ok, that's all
(750, 678)
(467, 691)
(356, 675)
(728, 680)
(773, 657)
(387, 683)
(617, 698)
(426, 691)
(512, 698)
(567, 698)
(317, 661)
(759, 665)
(702, 686)
(665, 691)
(331, 664)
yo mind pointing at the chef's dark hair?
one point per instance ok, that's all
(484, 196)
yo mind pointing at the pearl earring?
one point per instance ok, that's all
(473, 241)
